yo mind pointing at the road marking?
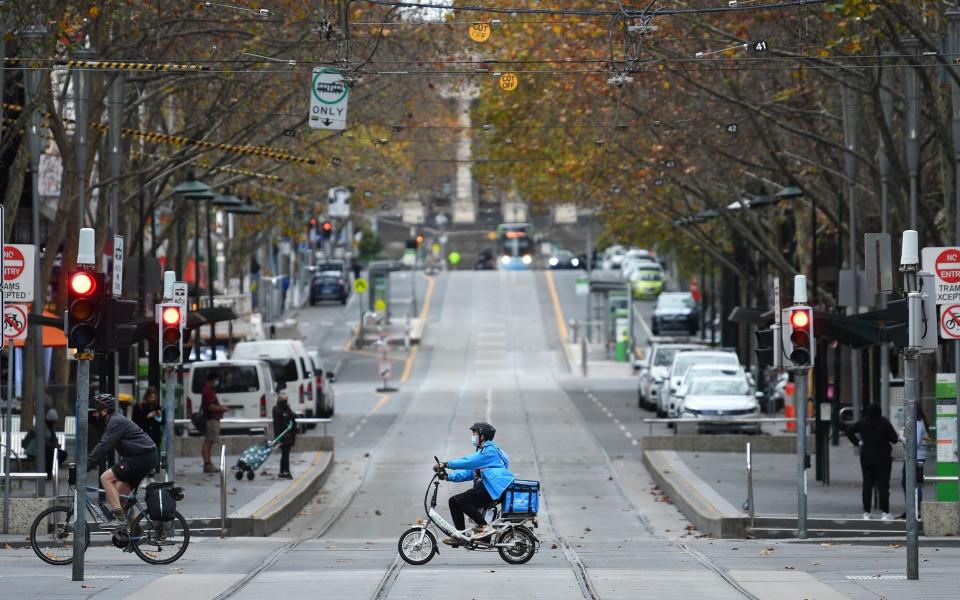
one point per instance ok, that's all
(376, 407)
(489, 405)
(557, 310)
(610, 415)
(408, 366)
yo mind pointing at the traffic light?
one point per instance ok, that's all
(768, 348)
(326, 229)
(171, 334)
(85, 293)
(798, 340)
(117, 329)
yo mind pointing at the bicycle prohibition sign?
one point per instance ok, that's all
(950, 322)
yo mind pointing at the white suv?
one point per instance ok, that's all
(291, 366)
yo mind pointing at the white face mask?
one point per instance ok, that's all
(473, 440)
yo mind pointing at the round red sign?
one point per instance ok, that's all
(948, 265)
(13, 263)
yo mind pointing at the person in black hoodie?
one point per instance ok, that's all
(283, 417)
(874, 435)
(148, 416)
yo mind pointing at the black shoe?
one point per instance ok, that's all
(902, 517)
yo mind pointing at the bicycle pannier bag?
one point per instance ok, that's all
(160, 502)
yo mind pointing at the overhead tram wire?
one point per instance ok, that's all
(595, 13)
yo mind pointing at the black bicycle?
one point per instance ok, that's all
(155, 542)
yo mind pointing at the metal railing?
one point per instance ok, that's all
(720, 421)
(263, 421)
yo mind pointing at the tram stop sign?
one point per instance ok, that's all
(360, 286)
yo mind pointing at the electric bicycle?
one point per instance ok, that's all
(513, 537)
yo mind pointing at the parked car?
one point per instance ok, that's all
(632, 264)
(246, 387)
(682, 362)
(323, 389)
(654, 369)
(291, 366)
(328, 286)
(613, 257)
(564, 259)
(675, 312)
(699, 371)
(332, 266)
(718, 398)
(647, 282)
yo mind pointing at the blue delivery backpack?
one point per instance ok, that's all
(521, 498)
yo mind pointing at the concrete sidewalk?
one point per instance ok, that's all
(257, 507)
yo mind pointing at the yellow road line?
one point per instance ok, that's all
(557, 310)
(380, 404)
(408, 367)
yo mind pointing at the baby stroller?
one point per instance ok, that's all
(256, 455)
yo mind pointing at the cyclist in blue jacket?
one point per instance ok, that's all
(488, 468)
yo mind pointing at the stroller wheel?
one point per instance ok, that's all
(251, 475)
(239, 475)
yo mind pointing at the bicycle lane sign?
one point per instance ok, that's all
(15, 321)
(950, 322)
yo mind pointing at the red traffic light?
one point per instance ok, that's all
(313, 222)
(800, 319)
(83, 284)
(171, 315)
(327, 226)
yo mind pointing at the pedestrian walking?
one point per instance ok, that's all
(148, 416)
(356, 267)
(283, 417)
(874, 435)
(923, 438)
(212, 413)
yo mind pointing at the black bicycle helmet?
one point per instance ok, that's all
(485, 429)
(103, 402)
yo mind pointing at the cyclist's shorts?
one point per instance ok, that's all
(132, 469)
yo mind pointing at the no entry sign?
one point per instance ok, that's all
(944, 263)
(18, 265)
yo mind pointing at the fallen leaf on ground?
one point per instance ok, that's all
(377, 512)
(553, 546)
(766, 552)
(790, 567)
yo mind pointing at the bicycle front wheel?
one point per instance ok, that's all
(160, 542)
(52, 533)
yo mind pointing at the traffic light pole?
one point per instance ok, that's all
(911, 394)
(169, 413)
(80, 488)
(801, 400)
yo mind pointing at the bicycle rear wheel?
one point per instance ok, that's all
(51, 535)
(160, 542)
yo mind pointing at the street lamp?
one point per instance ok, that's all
(192, 189)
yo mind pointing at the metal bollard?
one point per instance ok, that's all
(223, 491)
(750, 504)
(55, 475)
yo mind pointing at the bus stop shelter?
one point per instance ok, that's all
(611, 314)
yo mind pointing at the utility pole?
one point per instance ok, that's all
(909, 265)
(912, 94)
(883, 155)
(32, 37)
(851, 164)
(953, 17)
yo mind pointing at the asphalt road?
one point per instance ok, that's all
(491, 352)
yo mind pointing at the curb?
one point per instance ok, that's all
(270, 515)
(700, 504)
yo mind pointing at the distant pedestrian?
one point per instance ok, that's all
(356, 267)
(922, 440)
(283, 417)
(148, 416)
(212, 413)
(876, 436)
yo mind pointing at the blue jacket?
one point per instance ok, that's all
(493, 464)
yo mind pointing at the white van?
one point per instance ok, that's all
(291, 367)
(246, 387)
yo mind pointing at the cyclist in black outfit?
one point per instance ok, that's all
(138, 456)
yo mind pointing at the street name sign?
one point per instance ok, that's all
(329, 94)
(944, 263)
(18, 266)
